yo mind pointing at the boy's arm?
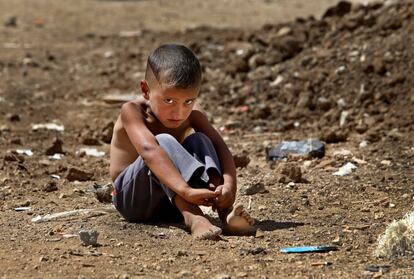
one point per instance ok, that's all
(156, 158)
(200, 123)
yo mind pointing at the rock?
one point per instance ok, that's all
(241, 160)
(79, 175)
(253, 189)
(104, 192)
(12, 117)
(56, 147)
(11, 22)
(223, 276)
(252, 251)
(333, 136)
(50, 187)
(341, 9)
(89, 237)
(288, 172)
(185, 273)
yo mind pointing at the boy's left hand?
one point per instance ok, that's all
(226, 197)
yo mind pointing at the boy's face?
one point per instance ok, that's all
(172, 106)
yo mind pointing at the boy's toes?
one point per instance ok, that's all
(211, 234)
(238, 209)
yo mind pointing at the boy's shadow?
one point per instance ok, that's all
(272, 225)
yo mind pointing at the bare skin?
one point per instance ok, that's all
(173, 111)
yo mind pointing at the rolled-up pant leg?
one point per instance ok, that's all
(140, 195)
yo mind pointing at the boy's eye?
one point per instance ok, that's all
(189, 102)
(168, 101)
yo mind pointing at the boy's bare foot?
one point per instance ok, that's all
(237, 220)
(201, 228)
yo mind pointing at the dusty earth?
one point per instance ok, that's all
(271, 73)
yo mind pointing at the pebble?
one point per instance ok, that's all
(89, 237)
(185, 273)
(253, 189)
(223, 276)
(241, 160)
(386, 162)
(50, 187)
(363, 144)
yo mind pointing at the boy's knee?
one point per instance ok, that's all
(200, 136)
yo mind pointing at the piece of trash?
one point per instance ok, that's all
(118, 98)
(55, 176)
(26, 152)
(23, 208)
(56, 156)
(307, 148)
(93, 152)
(321, 263)
(48, 126)
(398, 239)
(64, 214)
(345, 169)
(89, 237)
(309, 249)
(363, 144)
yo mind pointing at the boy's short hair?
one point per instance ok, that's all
(174, 65)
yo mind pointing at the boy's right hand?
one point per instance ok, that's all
(201, 196)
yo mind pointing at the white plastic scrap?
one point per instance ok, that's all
(26, 152)
(345, 169)
(363, 144)
(48, 126)
(56, 156)
(92, 152)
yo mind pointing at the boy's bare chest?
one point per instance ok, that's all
(179, 133)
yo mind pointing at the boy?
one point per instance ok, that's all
(157, 166)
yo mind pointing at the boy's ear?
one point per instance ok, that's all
(144, 89)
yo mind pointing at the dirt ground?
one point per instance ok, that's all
(272, 72)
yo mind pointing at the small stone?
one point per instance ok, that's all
(241, 160)
(50, 187)
(386, 163)
(12, 117)
(56, 147)
(185, 273)
(104, 192)
(89, 237)
(11, 22)
(253, 189)
(79, 175)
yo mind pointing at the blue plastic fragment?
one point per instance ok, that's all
(309, 147)
(309, 249)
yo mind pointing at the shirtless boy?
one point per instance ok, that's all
(165, 155)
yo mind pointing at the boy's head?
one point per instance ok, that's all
(171, 85)
(173, 65)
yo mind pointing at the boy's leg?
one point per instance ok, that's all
(189, 168)
(235, 219)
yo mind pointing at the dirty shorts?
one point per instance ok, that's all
(140, 197)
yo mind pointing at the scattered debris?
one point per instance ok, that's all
(253, 251)
(345, 169)
(56, 156)
(398, 239)
(11, 21)
(89, 237)
(48, 126)
(321, 263)
(306, 148)
(77, 212)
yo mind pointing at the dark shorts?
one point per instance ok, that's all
(140, 197)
